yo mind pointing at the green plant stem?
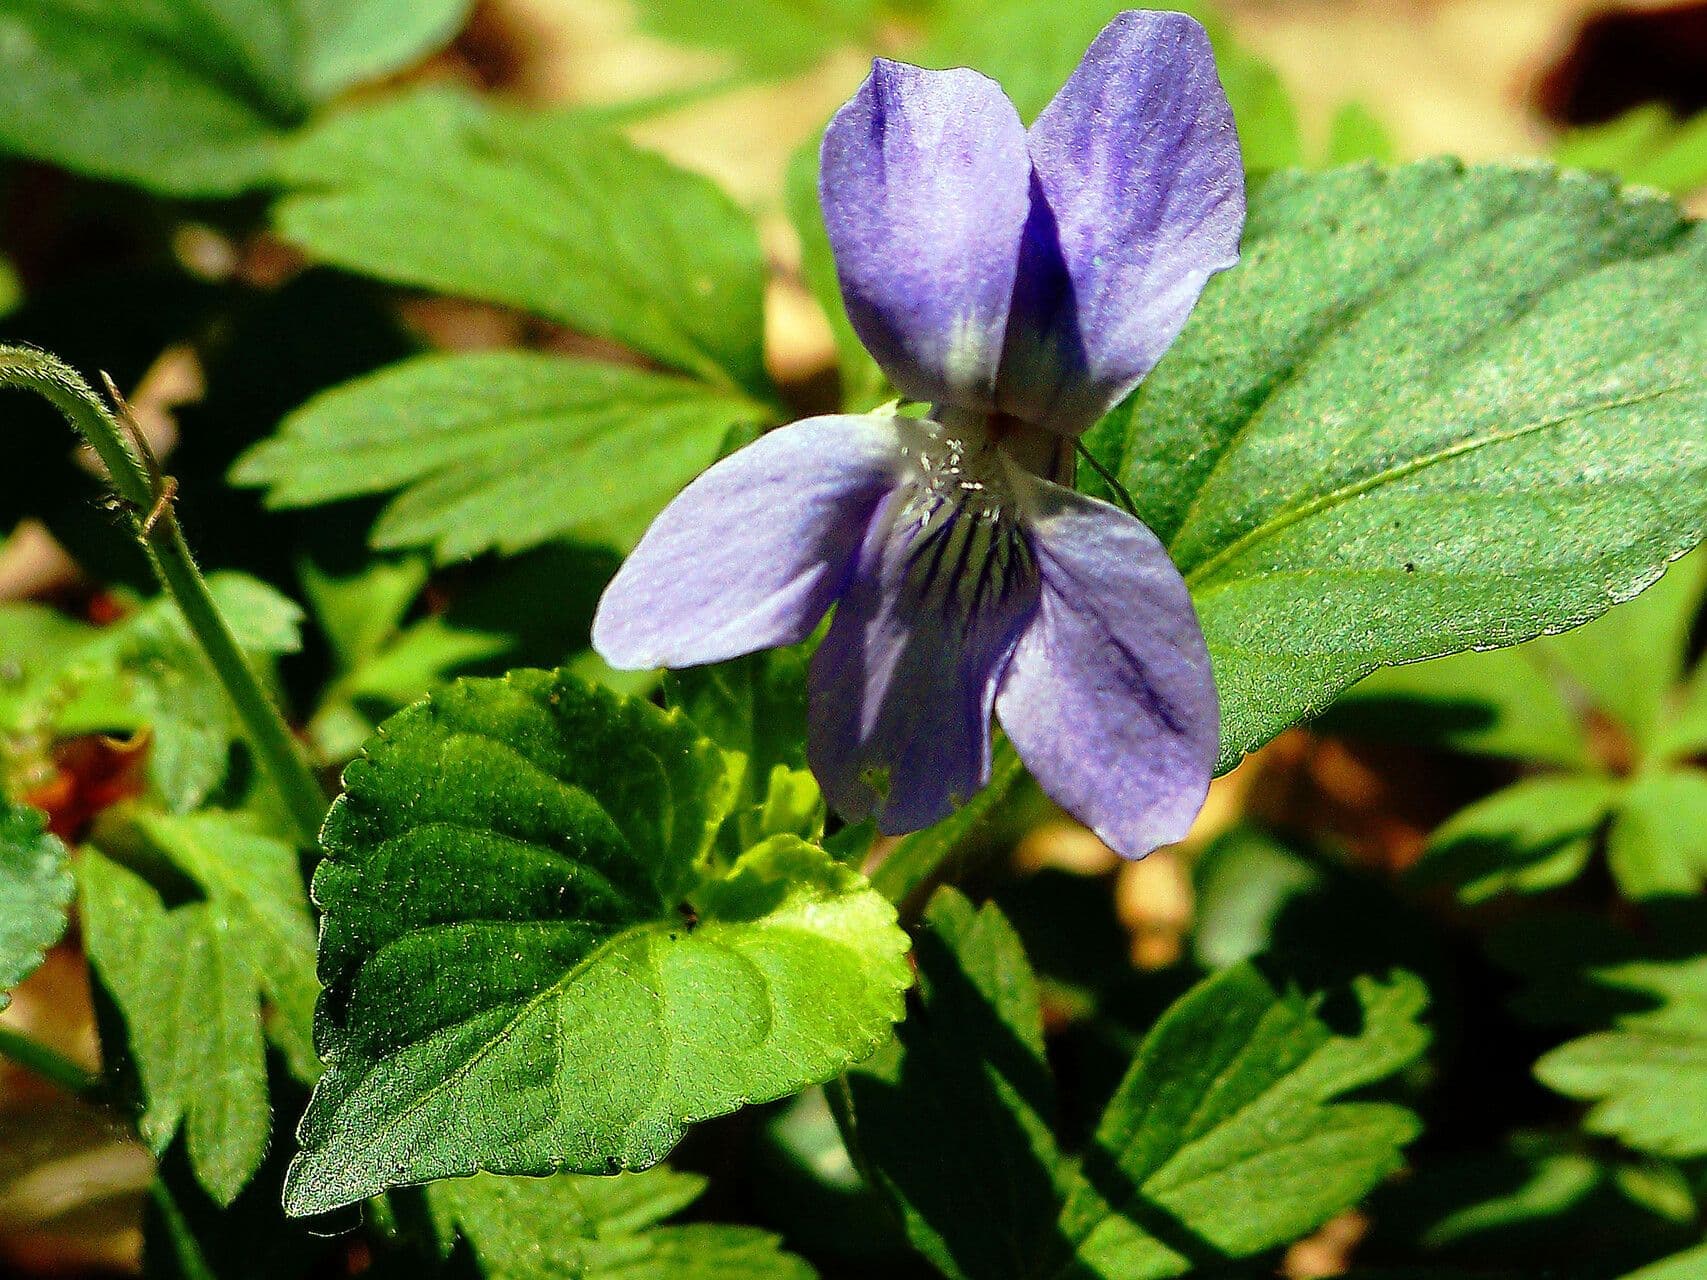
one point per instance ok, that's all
(40, 1060)
(918, 859)
(148, 500)
(192, 1263)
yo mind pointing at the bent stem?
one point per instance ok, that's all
(147, 498)
(38, 1059)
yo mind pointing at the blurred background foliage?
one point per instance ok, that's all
(1525, 829)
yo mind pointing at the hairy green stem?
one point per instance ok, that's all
(147, 497)
(40, 1060)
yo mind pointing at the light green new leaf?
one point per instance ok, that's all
(62, 678)
(1647, 1077)
(35, 891)
(1428, 412)
(532, 963)
(1630, 660)
(499, 450)
(1502, 702)
(1534, 835)
(382, 663)
(1647, 146)
(191, 98)
(1226, 1138)
(1657, 844)
(957, 1127)
(769, 36)
(189, 1001)
(575, 1227)
(546, 212)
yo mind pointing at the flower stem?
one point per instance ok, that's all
(147, 497)
(1114, 486)
(40, 1060)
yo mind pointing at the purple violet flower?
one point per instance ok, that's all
(1022, 283)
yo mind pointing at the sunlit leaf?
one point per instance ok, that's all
(1427, 412)
(35, 890)
(533, 963)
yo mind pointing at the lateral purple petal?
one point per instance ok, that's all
(752, 554)
(1108, 698)
(1139, 198)
(902, 685)
(924, 183)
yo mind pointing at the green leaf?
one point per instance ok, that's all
(1356, 133)
(1227, 1136)
(533, 964)
(1646, 145)
(574, 1227)
(957, 1127)
(1534, 835)
(1647, 1077)
(755, 709)
(1630, 660)
(1502, 702)
(1657, 844)
(382, 664)
(498, 450)
(1689, 1265)
(770, 36)
(143, 672)
(35, 891)
(191, 98)
(1540, 1199)
(1427, 413)
(253, 886)
(188, 997)
(546, 212)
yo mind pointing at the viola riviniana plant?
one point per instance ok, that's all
(1021, 283)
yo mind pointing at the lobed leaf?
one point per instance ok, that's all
(35, 892)
(191, 99)
(547, 212)
(1648, 1075)
(498, 450)
(574, 1227)
(533, 964)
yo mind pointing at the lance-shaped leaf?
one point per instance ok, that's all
(957, 1126)
(35, 890)
(1428, 412)
(499, 450)
(545, 212)
(1230, 1134)
(191, 98)
(574, 1227)
(1647, 1077)
(533, 964)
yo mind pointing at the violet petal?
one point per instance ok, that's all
(752, 554)
(902, 685)
(1109, 698)
(1138, 198)
(923, 181)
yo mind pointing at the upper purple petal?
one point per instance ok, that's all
(1109, 698)
(1138, 198)
(752, 554)
(902, 685)
(924, 180)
